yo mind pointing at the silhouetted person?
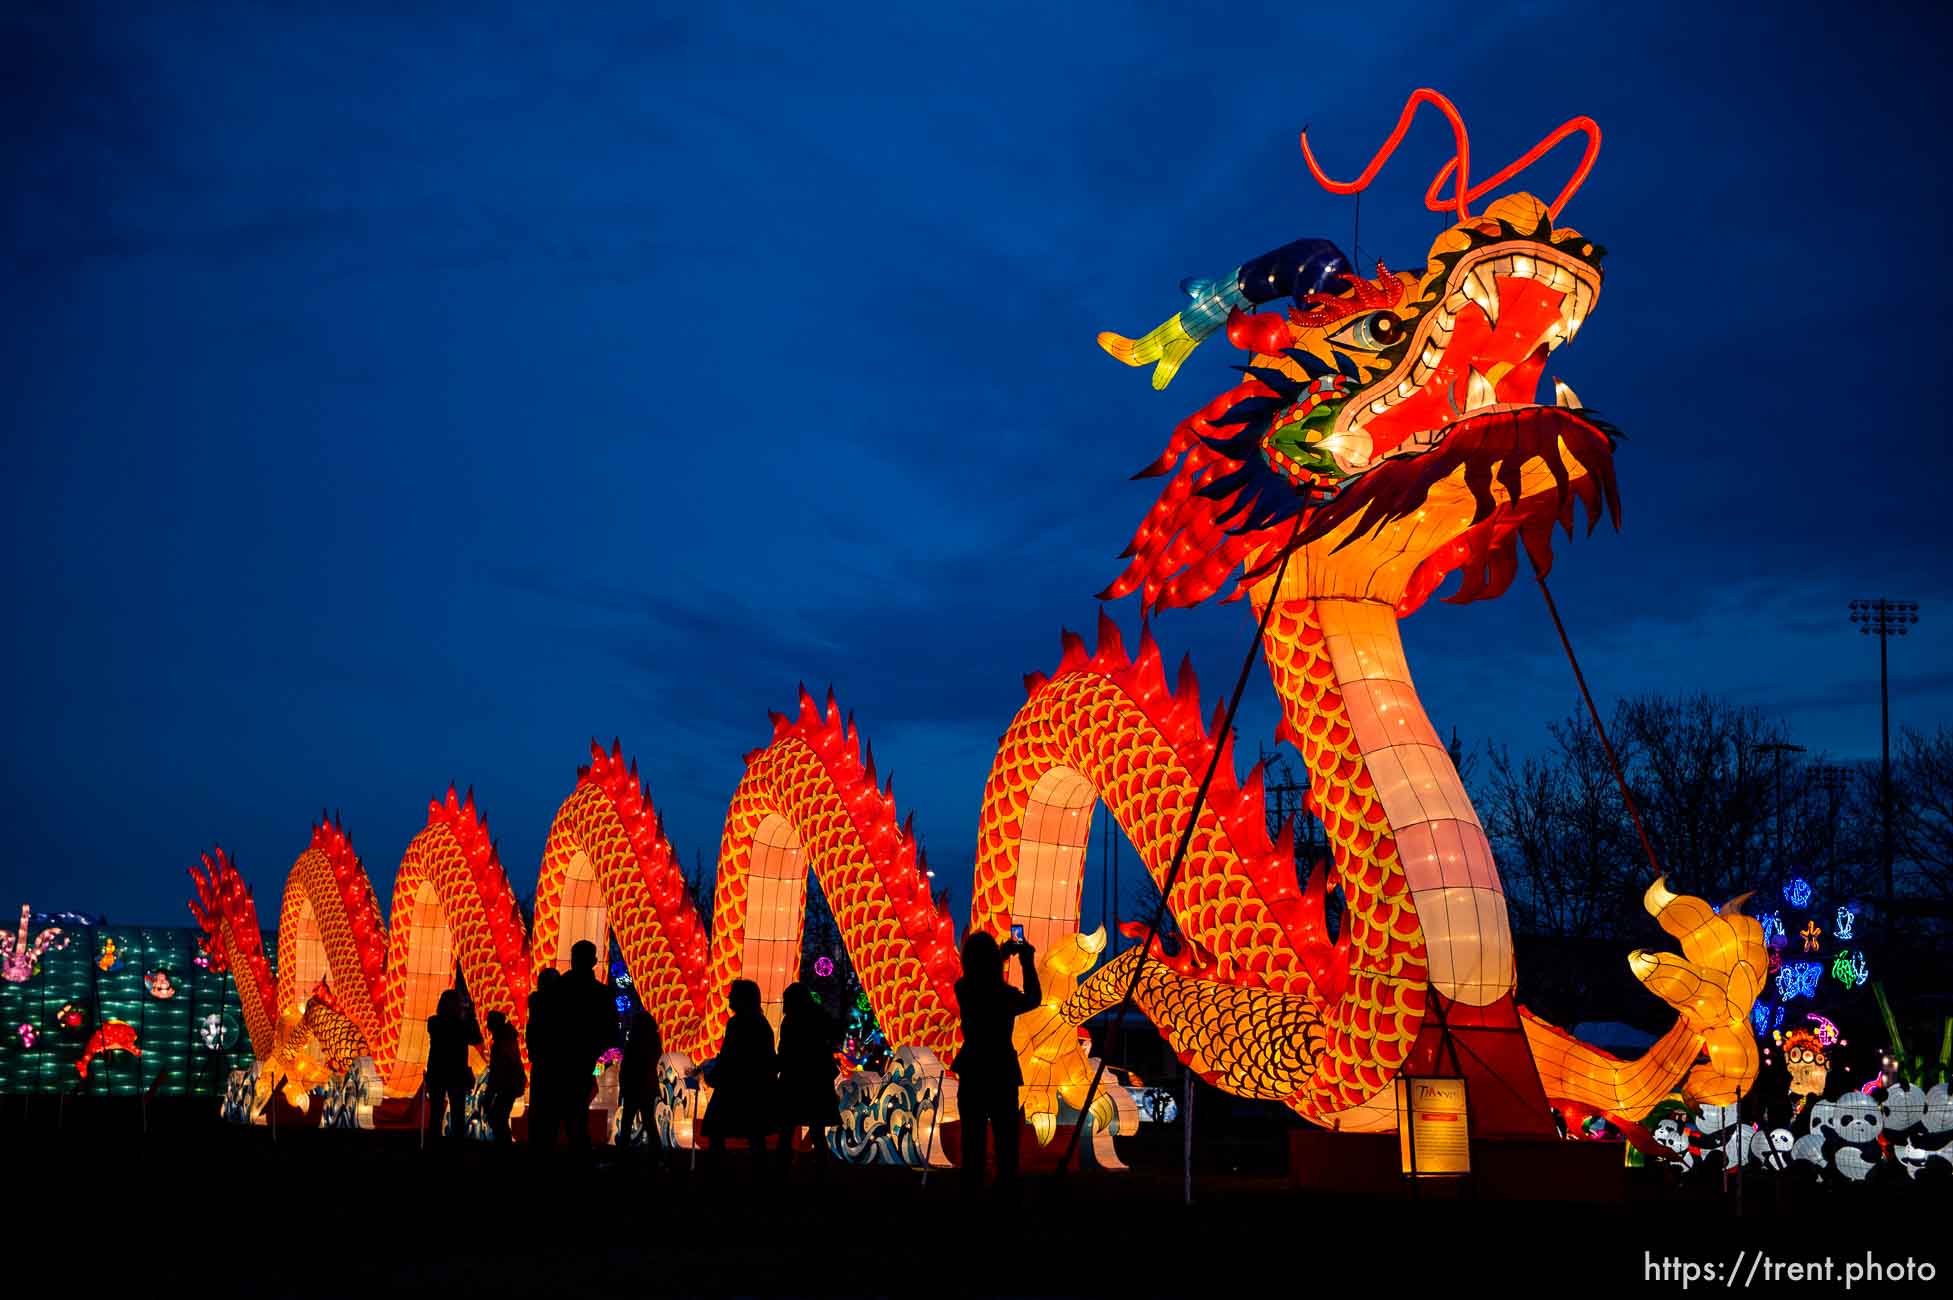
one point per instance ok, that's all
(743, 1078)
(637, 1076)
(543, 1055)
(806, 1074)
(987, 1074)
(451, 1031)
(506, 1079)
(584, 1015)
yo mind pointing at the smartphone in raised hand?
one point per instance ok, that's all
(1017, 934)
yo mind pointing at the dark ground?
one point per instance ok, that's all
(201, 1208)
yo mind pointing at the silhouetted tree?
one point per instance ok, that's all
(1722, 816)
(698, 888)
(1922, 783)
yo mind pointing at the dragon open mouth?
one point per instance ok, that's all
(1398, 415)
(1480, 349)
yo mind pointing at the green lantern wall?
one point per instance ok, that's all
(174, 1060)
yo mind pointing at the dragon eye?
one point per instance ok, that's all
(1373, 332)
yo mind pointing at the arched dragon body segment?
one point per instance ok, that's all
(1142, 748)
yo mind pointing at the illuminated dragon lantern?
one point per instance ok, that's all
(1385, 436)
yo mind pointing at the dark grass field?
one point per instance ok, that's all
(98, 1207)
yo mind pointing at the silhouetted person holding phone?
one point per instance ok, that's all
(987, 1074)
(451, 1031)
(506, 1078)
(637, 1076)
(807, 1073)
(543, 1057)
(744, 1077)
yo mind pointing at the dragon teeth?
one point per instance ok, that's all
(1574, 311)
(1478, 391)
(1563, 395)
(1481, 288)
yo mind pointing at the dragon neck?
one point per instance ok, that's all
(1410, 854)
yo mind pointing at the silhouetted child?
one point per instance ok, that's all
(542, 1030)
(807, 1073)
(506, 1079)
(987, 1074)
(451, 1031)
(637, 1076)
(743, 1078)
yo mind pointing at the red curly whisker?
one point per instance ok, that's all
(1463, 193)
(1425, 96)
(1591, 128)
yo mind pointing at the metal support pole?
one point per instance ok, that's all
(930, 1154)
(1885, 619)
(1885, 771)
(1186, 1108)
(693, 1083)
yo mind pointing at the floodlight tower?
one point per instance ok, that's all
(1884, 619)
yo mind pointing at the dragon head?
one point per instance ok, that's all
(1389, 427)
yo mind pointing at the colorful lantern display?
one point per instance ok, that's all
(1850, 969)
(72, 996)
(19, 957)
(1386, 436)
(113, 1036)
(1806, 1056)
(1798, 979)
(216, 1032)
(1816, 974)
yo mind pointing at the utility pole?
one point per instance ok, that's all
(1884, 619)
(1779, 748)
(1286, 801)
(1832, 779)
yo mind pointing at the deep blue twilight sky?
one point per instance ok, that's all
(391, 400)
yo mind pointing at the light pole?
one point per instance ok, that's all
(1885, 619)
